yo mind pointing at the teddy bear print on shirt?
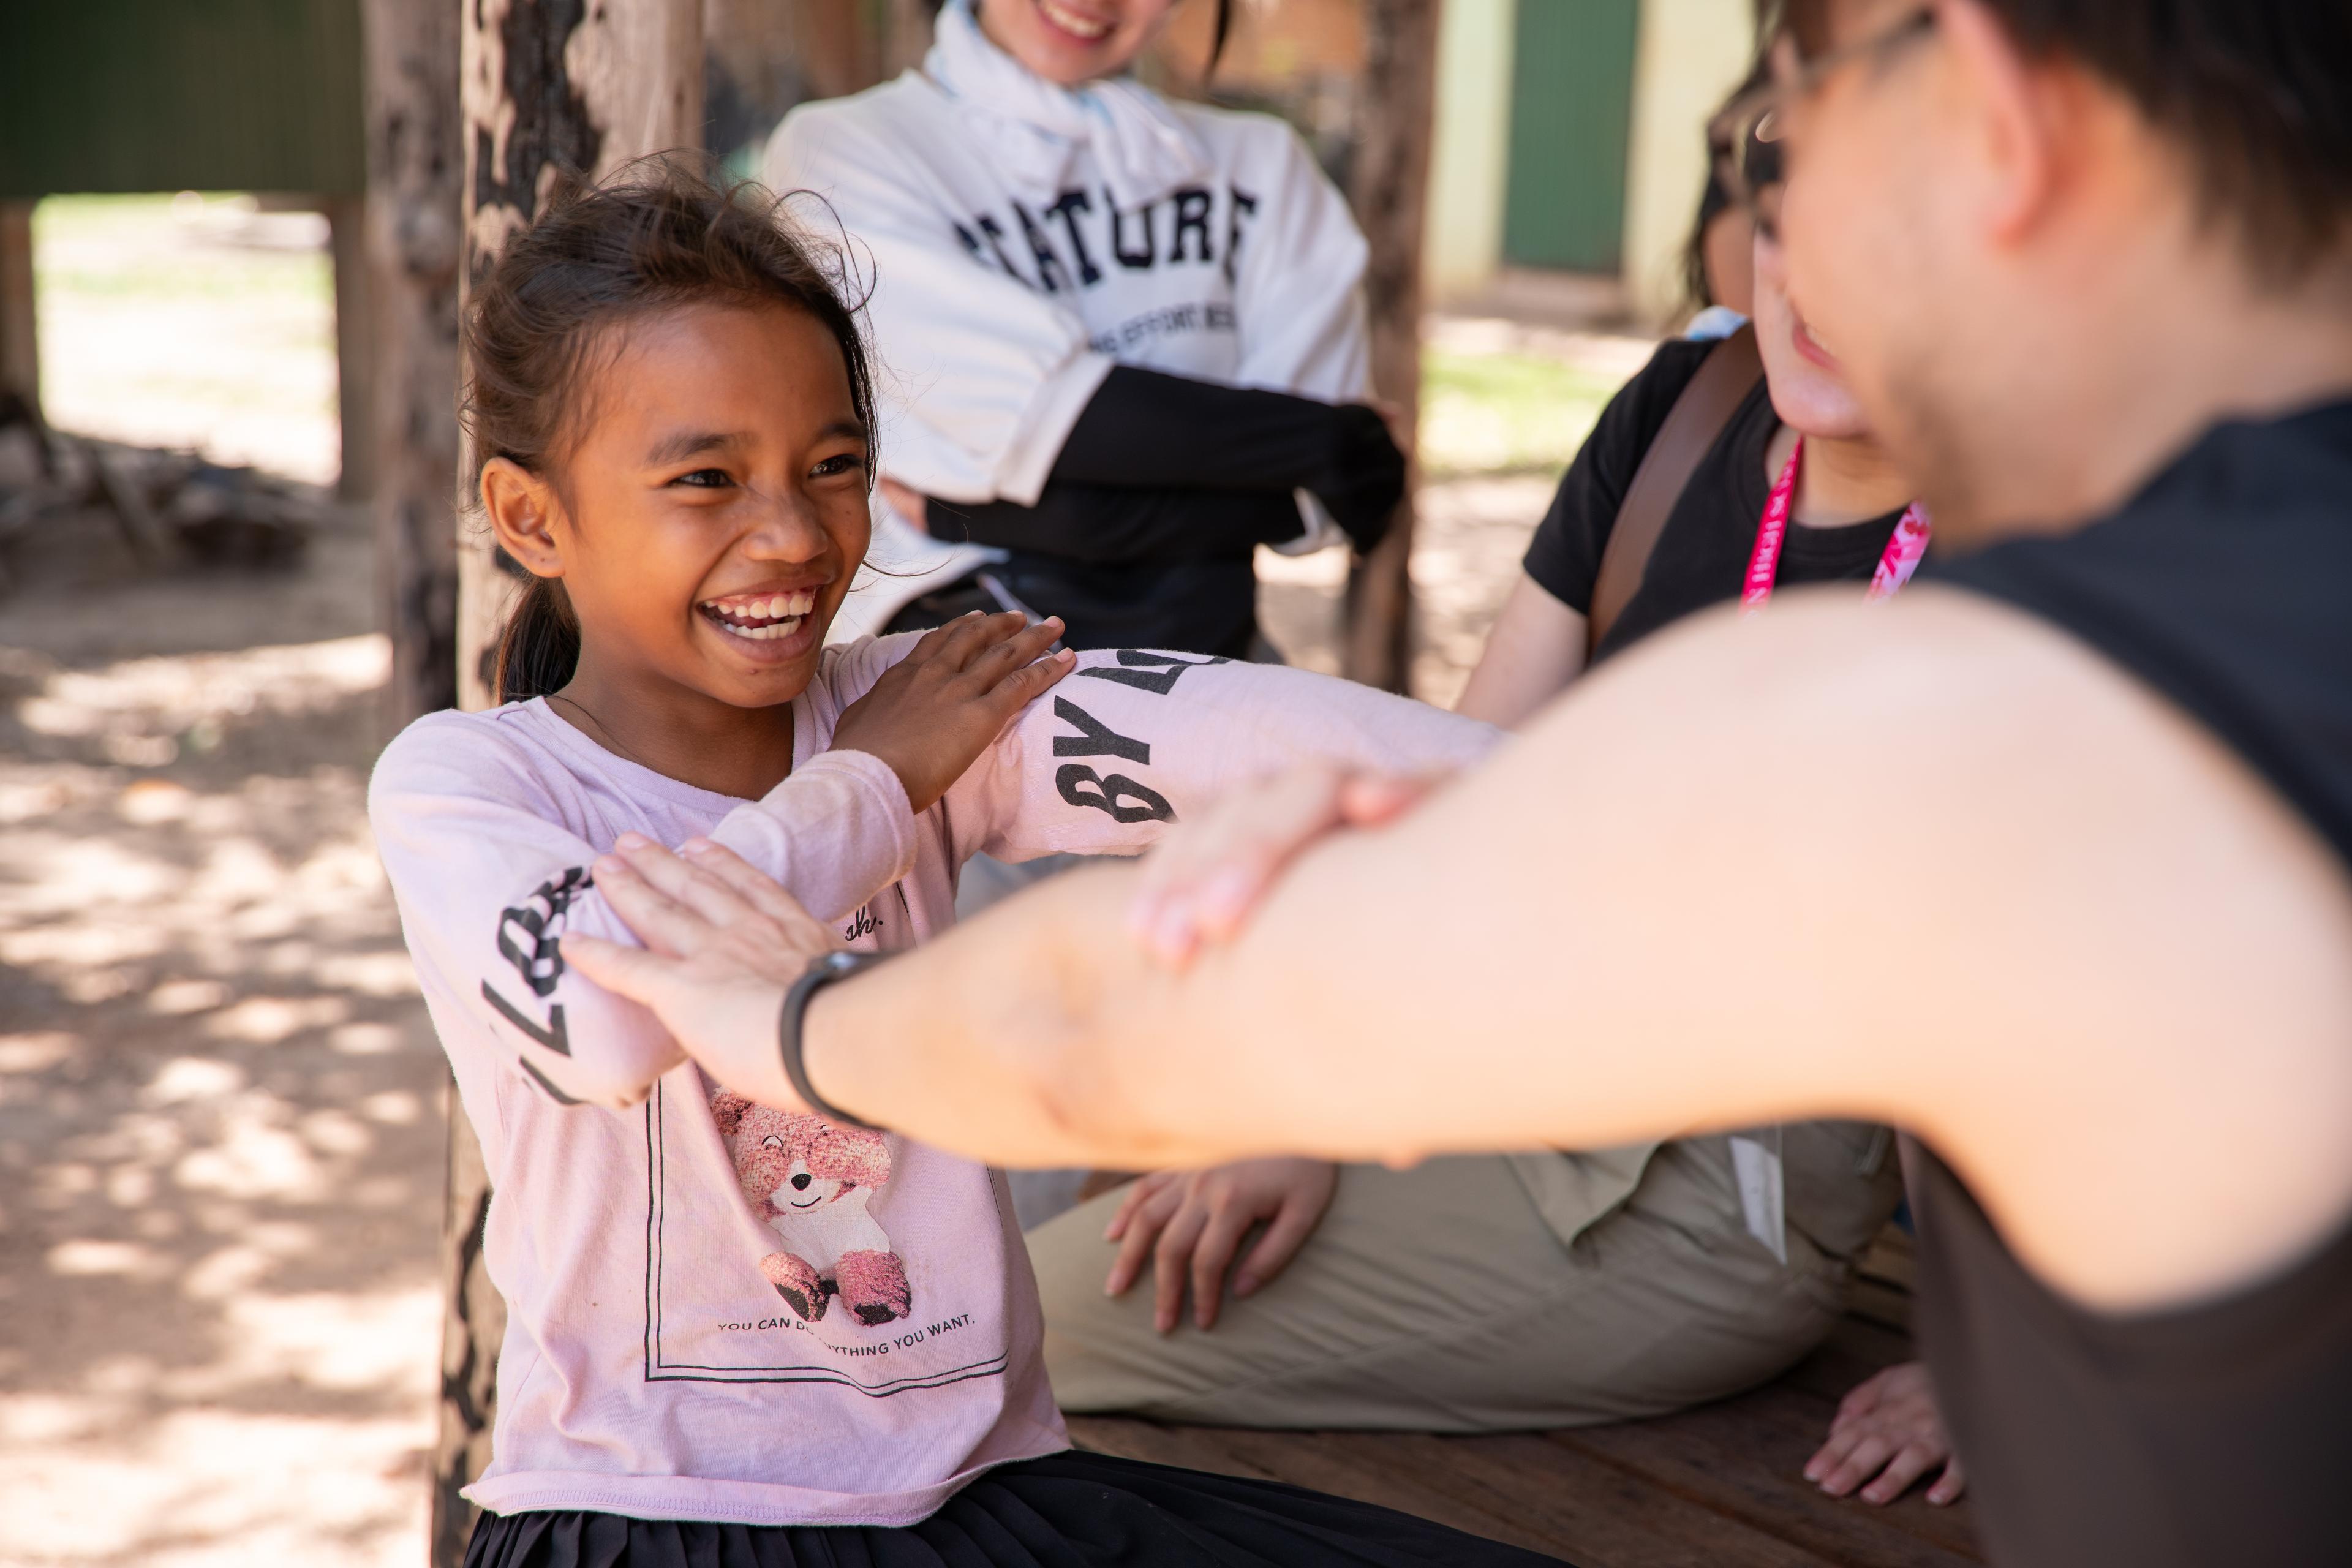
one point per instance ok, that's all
(811, 1181)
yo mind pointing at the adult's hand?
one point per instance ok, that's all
(1202, 881)
(723, 944)
(1889, 1427)
(1187, 1224)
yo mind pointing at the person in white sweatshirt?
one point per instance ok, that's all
(1122, 338)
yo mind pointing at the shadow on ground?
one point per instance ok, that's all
(220, 1114)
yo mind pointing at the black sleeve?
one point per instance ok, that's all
(1145, 430)
(1101, 525)
(1564, 557)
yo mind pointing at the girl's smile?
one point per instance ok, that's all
(772, 616)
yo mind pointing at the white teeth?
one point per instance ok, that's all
(1071, 22)
(768, 633)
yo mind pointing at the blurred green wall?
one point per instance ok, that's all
(169, 95)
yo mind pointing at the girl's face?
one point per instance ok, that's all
(711, 512)
(1808, 389)
(1073, 41)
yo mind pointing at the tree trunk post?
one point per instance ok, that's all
(409, 219)
(1391, 184)
(348, 246)
(20, 338)
(414, 159)
(550, 86)
(545, 87)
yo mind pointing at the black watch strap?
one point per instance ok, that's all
(831, 967)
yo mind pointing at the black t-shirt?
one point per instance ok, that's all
(2217, 1434)
(1701, 558)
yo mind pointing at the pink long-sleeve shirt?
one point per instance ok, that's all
(729, 1313)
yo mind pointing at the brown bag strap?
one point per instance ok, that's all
(1692, 424)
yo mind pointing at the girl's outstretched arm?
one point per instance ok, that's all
(1928, 862)
(1134, 744)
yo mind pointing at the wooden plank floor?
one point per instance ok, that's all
(1718, 1486)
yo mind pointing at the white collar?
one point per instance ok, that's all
(1035, 129)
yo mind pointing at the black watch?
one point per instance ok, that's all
(832, 966)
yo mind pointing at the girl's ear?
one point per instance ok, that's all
(523, 509)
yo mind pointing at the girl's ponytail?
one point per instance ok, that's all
(540, 646)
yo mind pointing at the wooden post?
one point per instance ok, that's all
(1392, 181)
(20, 352)
(549, 86)
(546, 85)
(410, 224)
(411, 227)
(355, 333)
(905, 35)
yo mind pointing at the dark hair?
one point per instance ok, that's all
(1716, 199)
(660, 234)
(2256, 93)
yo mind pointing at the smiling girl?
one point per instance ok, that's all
(670, 405)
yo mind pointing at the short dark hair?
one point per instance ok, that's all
(2256, 93)
(662, 233)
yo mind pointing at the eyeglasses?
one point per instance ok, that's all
(1752, 128)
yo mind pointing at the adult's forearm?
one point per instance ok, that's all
(1651, 914)
(1507, 967)
(997, 1040)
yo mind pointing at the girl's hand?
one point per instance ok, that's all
(1202, 881)
(1889, 1427)
(934, 712)
(1189, 1224)
(723, 944)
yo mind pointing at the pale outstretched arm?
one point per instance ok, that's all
(1928, 862)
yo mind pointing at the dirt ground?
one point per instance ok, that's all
(220, 1112)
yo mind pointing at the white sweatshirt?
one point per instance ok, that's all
(1008, 278)
(692, 1330)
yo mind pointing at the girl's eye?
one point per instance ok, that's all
(845, 463)
(705, 478)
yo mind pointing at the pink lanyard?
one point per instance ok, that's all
(1894, 568)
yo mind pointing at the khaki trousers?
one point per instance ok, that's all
(1441, 1299)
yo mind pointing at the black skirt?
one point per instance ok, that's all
(1065, 1510)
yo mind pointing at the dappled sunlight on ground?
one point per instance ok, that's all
(220, 1111)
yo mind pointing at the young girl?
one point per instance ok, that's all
(1132, 330)
(729, 1324)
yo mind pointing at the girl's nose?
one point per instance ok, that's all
(787, 530)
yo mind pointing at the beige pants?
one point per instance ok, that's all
(1439, 1300)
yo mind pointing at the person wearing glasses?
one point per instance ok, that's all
(2083, 927)
(1545, 1288)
